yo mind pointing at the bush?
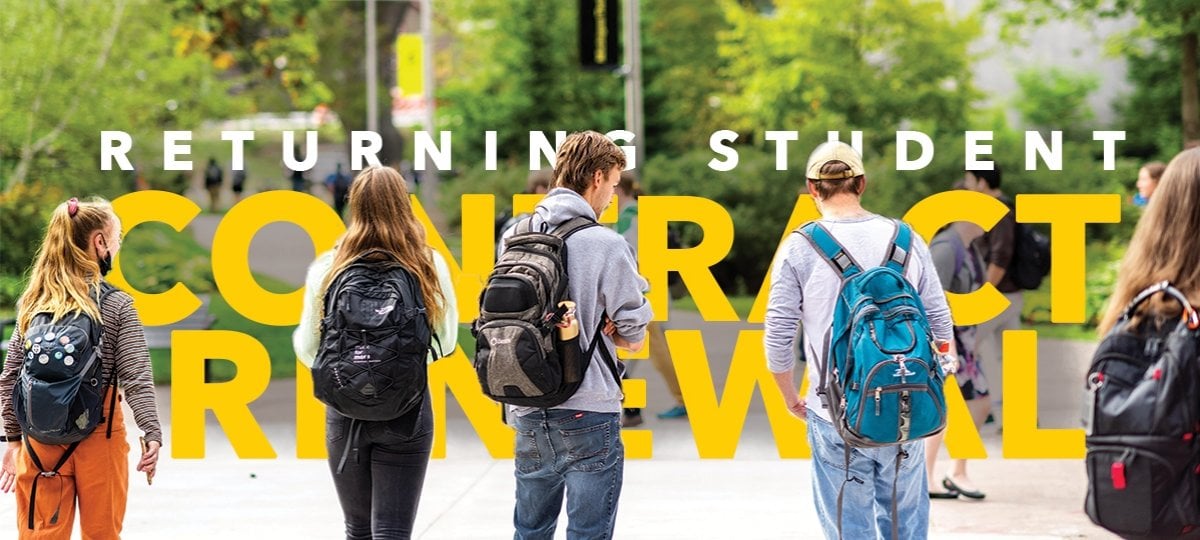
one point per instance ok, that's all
(155, 256)
(11, 288)
(25, 210)
(508, 180)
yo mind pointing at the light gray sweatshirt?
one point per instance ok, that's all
(603, 279)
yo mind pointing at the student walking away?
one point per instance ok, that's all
(338, 184)
(628, 192)
(78, 341)
(239, 185)
(537, 184)
(1147, 182)
(299, 182)
(876, 379)
(214, 177)
(961, 270)
(1142, 400)
(556, 372)
(1018, 259)
(377, 309)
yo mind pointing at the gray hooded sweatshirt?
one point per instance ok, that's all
(603, 279)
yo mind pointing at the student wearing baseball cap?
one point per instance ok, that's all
(860, 492)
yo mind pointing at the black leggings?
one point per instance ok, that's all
(379, 485)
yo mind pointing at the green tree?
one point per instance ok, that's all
(847, 64)
(1174, 22)
(312, 50)
(79, 68)
(1055, 97)
(682, 95)
(516, 70)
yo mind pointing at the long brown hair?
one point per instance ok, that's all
(1166, 243)
(63, 272)
(381, 217)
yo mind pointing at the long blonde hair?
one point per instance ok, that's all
(63, 273)
(1166, 243)
(381, 217)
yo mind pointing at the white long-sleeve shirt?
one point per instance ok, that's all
(307, 336)
(804, 290)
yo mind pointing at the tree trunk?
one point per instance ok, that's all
(1190, 86)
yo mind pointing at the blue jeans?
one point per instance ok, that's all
(579, 452)
(867, 497)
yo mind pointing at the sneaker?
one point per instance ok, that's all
(631, 420)
(678, 411)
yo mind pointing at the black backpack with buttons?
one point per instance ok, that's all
(59, 395)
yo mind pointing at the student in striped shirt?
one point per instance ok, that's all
(68, 274)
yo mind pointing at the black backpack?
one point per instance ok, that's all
(375, 339)
(1030, 262)
(59, 395)
(520, 357)
(1142, 419)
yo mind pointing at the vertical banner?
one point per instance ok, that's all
(600, 34)
(408, 102)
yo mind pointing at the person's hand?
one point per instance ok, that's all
(798, 409)
(149, 457)
(8, 468)
(610, 330)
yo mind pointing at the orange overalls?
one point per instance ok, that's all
(97, 474)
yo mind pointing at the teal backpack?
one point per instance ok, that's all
(881, 380)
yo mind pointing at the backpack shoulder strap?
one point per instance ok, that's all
(830, 249)
(102, 293)
(572, 226)
(901, 247)
(523, 225)
(605, 356)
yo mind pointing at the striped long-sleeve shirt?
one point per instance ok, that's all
(123, 348)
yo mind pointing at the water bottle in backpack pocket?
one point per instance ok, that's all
(1142, 423)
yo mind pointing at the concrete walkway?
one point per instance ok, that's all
(673, 495)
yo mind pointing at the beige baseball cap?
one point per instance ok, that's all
(834, 151)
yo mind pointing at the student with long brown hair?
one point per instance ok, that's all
(1165, 244)
(66, 291)
(378, 465)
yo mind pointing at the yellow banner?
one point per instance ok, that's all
(410, 68)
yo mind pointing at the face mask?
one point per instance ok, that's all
(106, 264)
(1140, 201)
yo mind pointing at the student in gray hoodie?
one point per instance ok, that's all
(576, 446)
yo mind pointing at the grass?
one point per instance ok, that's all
(276, 339)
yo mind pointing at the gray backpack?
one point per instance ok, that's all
(519, 356)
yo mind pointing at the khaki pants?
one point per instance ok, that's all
(660, 355)
(96, 475)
